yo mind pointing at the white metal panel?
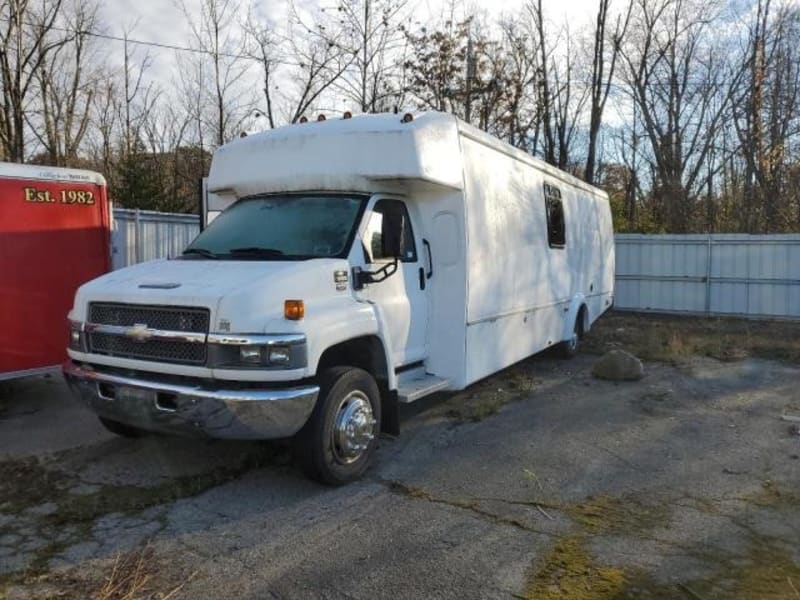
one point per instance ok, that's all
(520, 290)
(721, 274)
(138, 236)
(370, 153)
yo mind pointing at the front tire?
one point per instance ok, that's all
(338, 442)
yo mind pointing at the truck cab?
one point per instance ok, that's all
(359, 263)
(282, 299)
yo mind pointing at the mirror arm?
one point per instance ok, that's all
(362, 278)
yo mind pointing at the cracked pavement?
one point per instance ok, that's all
(686, 480)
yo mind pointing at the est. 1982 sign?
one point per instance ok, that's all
(80, 197)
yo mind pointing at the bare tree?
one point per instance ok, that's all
(604, 62)
(523, 126)
(319, 56)
(223, 47)
(68, 77)
(27, 37)
(560, 95)
(264, 47)
(681, 88)
(544, 103)
(374, 30)
(767, 114)
(101, 136)
(137, 98)
(437, 66)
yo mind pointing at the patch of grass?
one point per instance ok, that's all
(486, 398)
(773, 496)
(769, 574)
(31, 484)
(133, 575)
(129, 499)
(671, 339)
(766, 571)
(130, 575)
(604, 514)
(27, 483)
(569, 572)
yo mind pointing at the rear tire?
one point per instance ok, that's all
(121, 429)
(337, 444)
(569, 348)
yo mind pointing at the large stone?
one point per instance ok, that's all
(618, 365)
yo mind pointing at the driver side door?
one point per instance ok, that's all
(401, 297)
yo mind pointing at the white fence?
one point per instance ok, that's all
(719, 274)
(140, 235)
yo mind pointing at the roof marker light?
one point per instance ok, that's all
(303, 119)
(407, 118)
(321, 118)
(347, 115)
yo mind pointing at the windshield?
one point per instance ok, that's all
(285, 227)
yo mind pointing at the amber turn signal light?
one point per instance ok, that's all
(294, 310)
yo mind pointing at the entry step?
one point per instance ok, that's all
(411, 390)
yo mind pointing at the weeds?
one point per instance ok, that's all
(673, 339)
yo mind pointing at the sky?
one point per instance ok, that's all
(162, 21)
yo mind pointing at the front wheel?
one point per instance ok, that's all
(337, 443)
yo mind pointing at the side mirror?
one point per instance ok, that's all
(392, 230)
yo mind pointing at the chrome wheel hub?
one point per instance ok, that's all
(573, 341)
(353, 427)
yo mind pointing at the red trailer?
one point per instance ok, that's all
(54, 236)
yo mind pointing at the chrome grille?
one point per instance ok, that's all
(166, 318)
(160, 350)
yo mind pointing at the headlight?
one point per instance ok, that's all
(257, 351)
(279, 355)
(250, 354)
(265, 355)
(77, 337)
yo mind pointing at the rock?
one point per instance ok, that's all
(618, 365)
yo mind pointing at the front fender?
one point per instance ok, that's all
(339, 321)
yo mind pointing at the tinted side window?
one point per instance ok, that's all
(373, 237)
(554, 208)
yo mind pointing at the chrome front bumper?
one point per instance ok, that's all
(194, 410)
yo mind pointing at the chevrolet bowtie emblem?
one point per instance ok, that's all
(139, 332)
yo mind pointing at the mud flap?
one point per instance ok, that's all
(390, 413)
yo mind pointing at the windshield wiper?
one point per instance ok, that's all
(201, 252)
(257, 251)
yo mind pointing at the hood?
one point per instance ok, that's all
(246, 294)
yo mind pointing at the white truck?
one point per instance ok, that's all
(360, 262)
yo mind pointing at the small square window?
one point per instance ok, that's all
(556, 235)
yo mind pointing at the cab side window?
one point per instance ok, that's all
(372, 241)
(554, 208)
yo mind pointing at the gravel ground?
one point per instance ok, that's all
(539, 482)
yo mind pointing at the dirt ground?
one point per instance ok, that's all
(540, 482)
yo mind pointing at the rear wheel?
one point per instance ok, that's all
(122, 429)
(337, 443)
(569, 348)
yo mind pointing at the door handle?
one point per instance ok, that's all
(430, 258)
(421, 278)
